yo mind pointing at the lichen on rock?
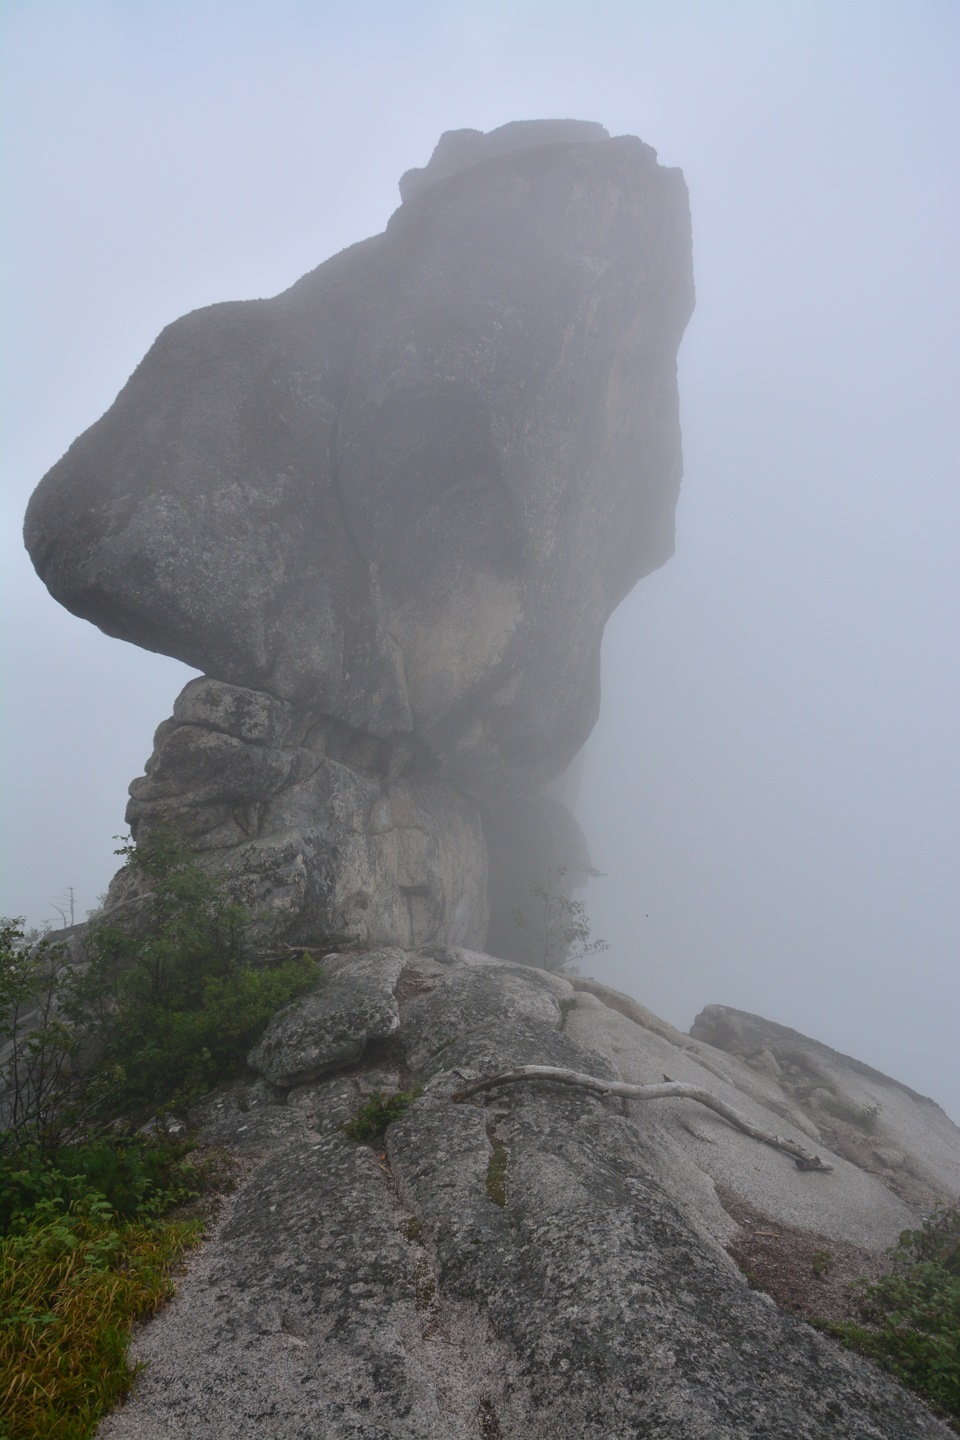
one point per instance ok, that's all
(534, 1257)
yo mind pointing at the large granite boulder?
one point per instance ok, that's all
(535, 1263)
(393, 507)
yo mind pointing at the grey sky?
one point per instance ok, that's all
(773, 786)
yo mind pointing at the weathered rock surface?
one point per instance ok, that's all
(330, 1028)
(408, 492)
(320, 832)
(862, 1114)
(393, 508)
(533, 1263)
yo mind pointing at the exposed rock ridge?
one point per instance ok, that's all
(329, 834)
(540, 1267)
(862, 1113)
(458, 150)
(741, 1033)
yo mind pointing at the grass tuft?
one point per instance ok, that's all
(865, 1117)
(72, 1283)
(370, 1123)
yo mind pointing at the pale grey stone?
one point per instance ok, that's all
(529, 1265)
(388, 513)
(868, 1117)
(408, 492)
(320, 833)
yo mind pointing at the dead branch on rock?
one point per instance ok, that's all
(670, 1090)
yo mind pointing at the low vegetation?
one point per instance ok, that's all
(497, 1171)
(369, 1125)
(865, 1117)
(92, 1189)
(74, 1276)
(910, 1318)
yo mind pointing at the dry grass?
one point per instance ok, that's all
(807, 1274)
(71, 1287)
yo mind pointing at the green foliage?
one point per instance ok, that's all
(188, 932)
(821, 1262)
(370, 1123)
(166, 1006)
(179, 1000)
(133, 1175)
(72, 1282)
(558, 926)
(912, 1315)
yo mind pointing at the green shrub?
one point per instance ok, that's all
(370, 1123)
(912, 1315)
(179, 999)
(166, 1052)
(821, 1262)
(136, 1177)
(167, 1006)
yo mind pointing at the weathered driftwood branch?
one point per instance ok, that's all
(669, 1090)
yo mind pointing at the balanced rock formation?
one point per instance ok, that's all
(388, 514)
(537, 1262)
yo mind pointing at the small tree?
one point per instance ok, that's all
(559, 926)
(42, 1027)
(164, 1004)
(180, 998)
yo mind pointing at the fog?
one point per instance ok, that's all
(772, 788)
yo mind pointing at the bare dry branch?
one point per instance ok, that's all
(669, 1090)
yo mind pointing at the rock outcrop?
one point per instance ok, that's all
(324, 831)
(535, 1263)
(862, 1114)
(393, 508)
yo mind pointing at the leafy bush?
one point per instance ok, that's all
(169, 1049)
(912, 1315)
(136, 1177)
(166, 1006)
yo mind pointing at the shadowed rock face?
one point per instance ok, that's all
(406, 494)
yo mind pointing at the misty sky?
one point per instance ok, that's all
(772, 789)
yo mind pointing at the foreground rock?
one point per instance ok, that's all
(535, 1263)
(395, 506)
